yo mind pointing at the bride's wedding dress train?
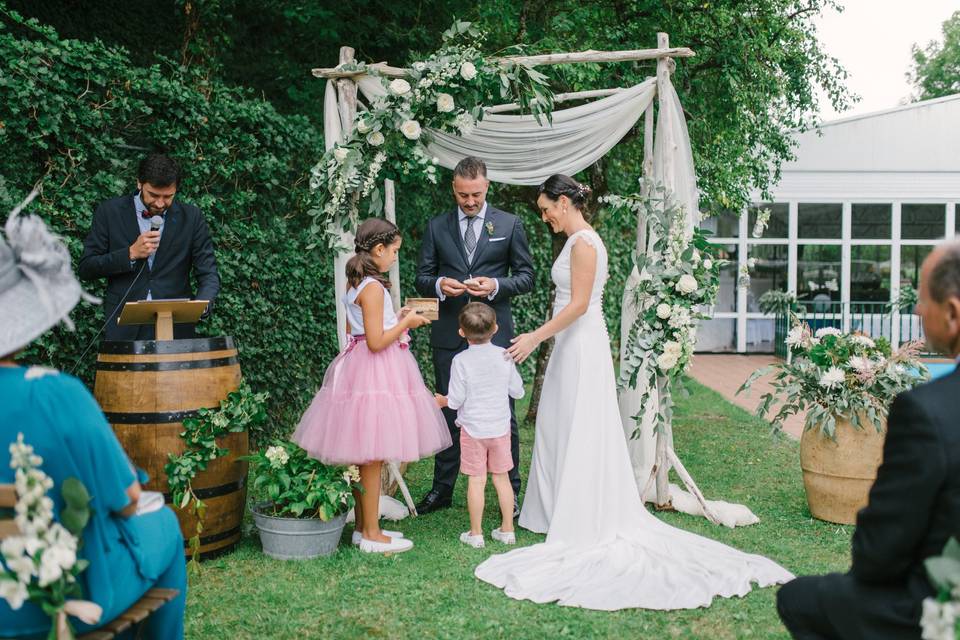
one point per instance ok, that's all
(604, 550)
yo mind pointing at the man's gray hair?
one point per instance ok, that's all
(470, 168)
(945, 276)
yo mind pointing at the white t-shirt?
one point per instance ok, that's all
(355, 313)
(482, 381)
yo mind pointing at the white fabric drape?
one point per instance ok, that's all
(518, 150)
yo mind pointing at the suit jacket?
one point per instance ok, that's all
(503, 254)
(185, 246)
(914, 508)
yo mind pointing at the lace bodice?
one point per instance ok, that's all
(561, 270)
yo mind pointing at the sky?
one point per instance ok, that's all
(872, 40)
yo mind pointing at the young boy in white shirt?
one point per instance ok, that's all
(482, 381)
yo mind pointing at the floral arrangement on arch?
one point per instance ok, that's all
(446, 91)
(40, 563)
(839, 375)
(679, 280)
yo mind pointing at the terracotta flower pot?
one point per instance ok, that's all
(838, 474)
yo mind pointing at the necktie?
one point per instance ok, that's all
(470, 237)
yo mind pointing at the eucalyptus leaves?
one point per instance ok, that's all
(444, 92)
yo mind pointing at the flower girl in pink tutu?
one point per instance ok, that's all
(373, 405)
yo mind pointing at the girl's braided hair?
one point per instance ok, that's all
(370, 233)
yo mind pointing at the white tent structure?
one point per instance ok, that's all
(519, 150)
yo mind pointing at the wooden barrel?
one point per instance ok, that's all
(838, 473)
(147, 388)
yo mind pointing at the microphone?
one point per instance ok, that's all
(155, 223)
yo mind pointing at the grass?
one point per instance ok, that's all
(430, 592)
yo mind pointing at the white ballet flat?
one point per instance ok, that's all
(508, 537)
(396, 545)
(356, 537)
(474, 541)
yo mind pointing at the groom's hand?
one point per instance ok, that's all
(482, 287)
(452, 288)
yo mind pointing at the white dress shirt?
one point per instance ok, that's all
(482, 381)
(144, 225)
(477, 228)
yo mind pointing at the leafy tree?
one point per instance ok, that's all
(936, 67)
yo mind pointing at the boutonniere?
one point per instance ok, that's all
(489, 227)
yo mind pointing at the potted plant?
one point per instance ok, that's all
(845, 383)
(306, 502)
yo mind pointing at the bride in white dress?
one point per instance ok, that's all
(603, 550)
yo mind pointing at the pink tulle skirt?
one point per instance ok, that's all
(372, 406)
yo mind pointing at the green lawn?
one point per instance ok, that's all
(430, 592)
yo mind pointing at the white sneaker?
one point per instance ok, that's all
(357, 536)
(474, 541)
(396, 545)
(506, 538)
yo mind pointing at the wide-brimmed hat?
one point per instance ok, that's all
(37, 285)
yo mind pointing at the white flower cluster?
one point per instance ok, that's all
(763, 218)
(44, 551)
(939, 619)
(832, 377)
(371, 181)
(672, 350)
(352, 474)
(277, 456)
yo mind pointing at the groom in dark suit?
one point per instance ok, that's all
(472, 253)
(914, 504)
(141, 263)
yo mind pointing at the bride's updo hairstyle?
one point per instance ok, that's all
(560, 185)
(370, 233)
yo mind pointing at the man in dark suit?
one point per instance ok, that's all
(914, 504)
(144, 264)
(473, 252)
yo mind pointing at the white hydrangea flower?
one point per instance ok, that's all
(444, 102)
(399, 87)
(363, 127)
(277, 456)
(375, 139)
(341, 153)
(666, 361)
(828, 331)
(468, 71)
(672, 347)
(708, 264)
(410, 129)
(464, 123)
(686, 284)
(663, 311)
(832, 377)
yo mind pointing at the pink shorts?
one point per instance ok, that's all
(479, 455)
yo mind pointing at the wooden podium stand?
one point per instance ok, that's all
(164, 313)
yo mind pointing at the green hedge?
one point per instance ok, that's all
(80, 116)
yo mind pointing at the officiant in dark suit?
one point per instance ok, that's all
(474, 252)
(140, 263)
(914, 505)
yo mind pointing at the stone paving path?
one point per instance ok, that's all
(724, 373)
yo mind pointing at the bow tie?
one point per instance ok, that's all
(146, 215)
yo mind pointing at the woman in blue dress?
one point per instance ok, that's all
(58, 417)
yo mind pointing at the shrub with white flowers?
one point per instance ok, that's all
(446, 92)
(679, 279)
(40, 563)
(836, 375)
(298, 486)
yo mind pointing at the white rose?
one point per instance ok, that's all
(363, 126)
(410, 129)
(666, 361)
(341, 153)
(375, 139)
(468, 71)
(672, 347)
(687, 284)
(444, 102)
(708, 264)
(399, 87)
(663, 311)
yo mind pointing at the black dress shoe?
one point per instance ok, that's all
(433, 501)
